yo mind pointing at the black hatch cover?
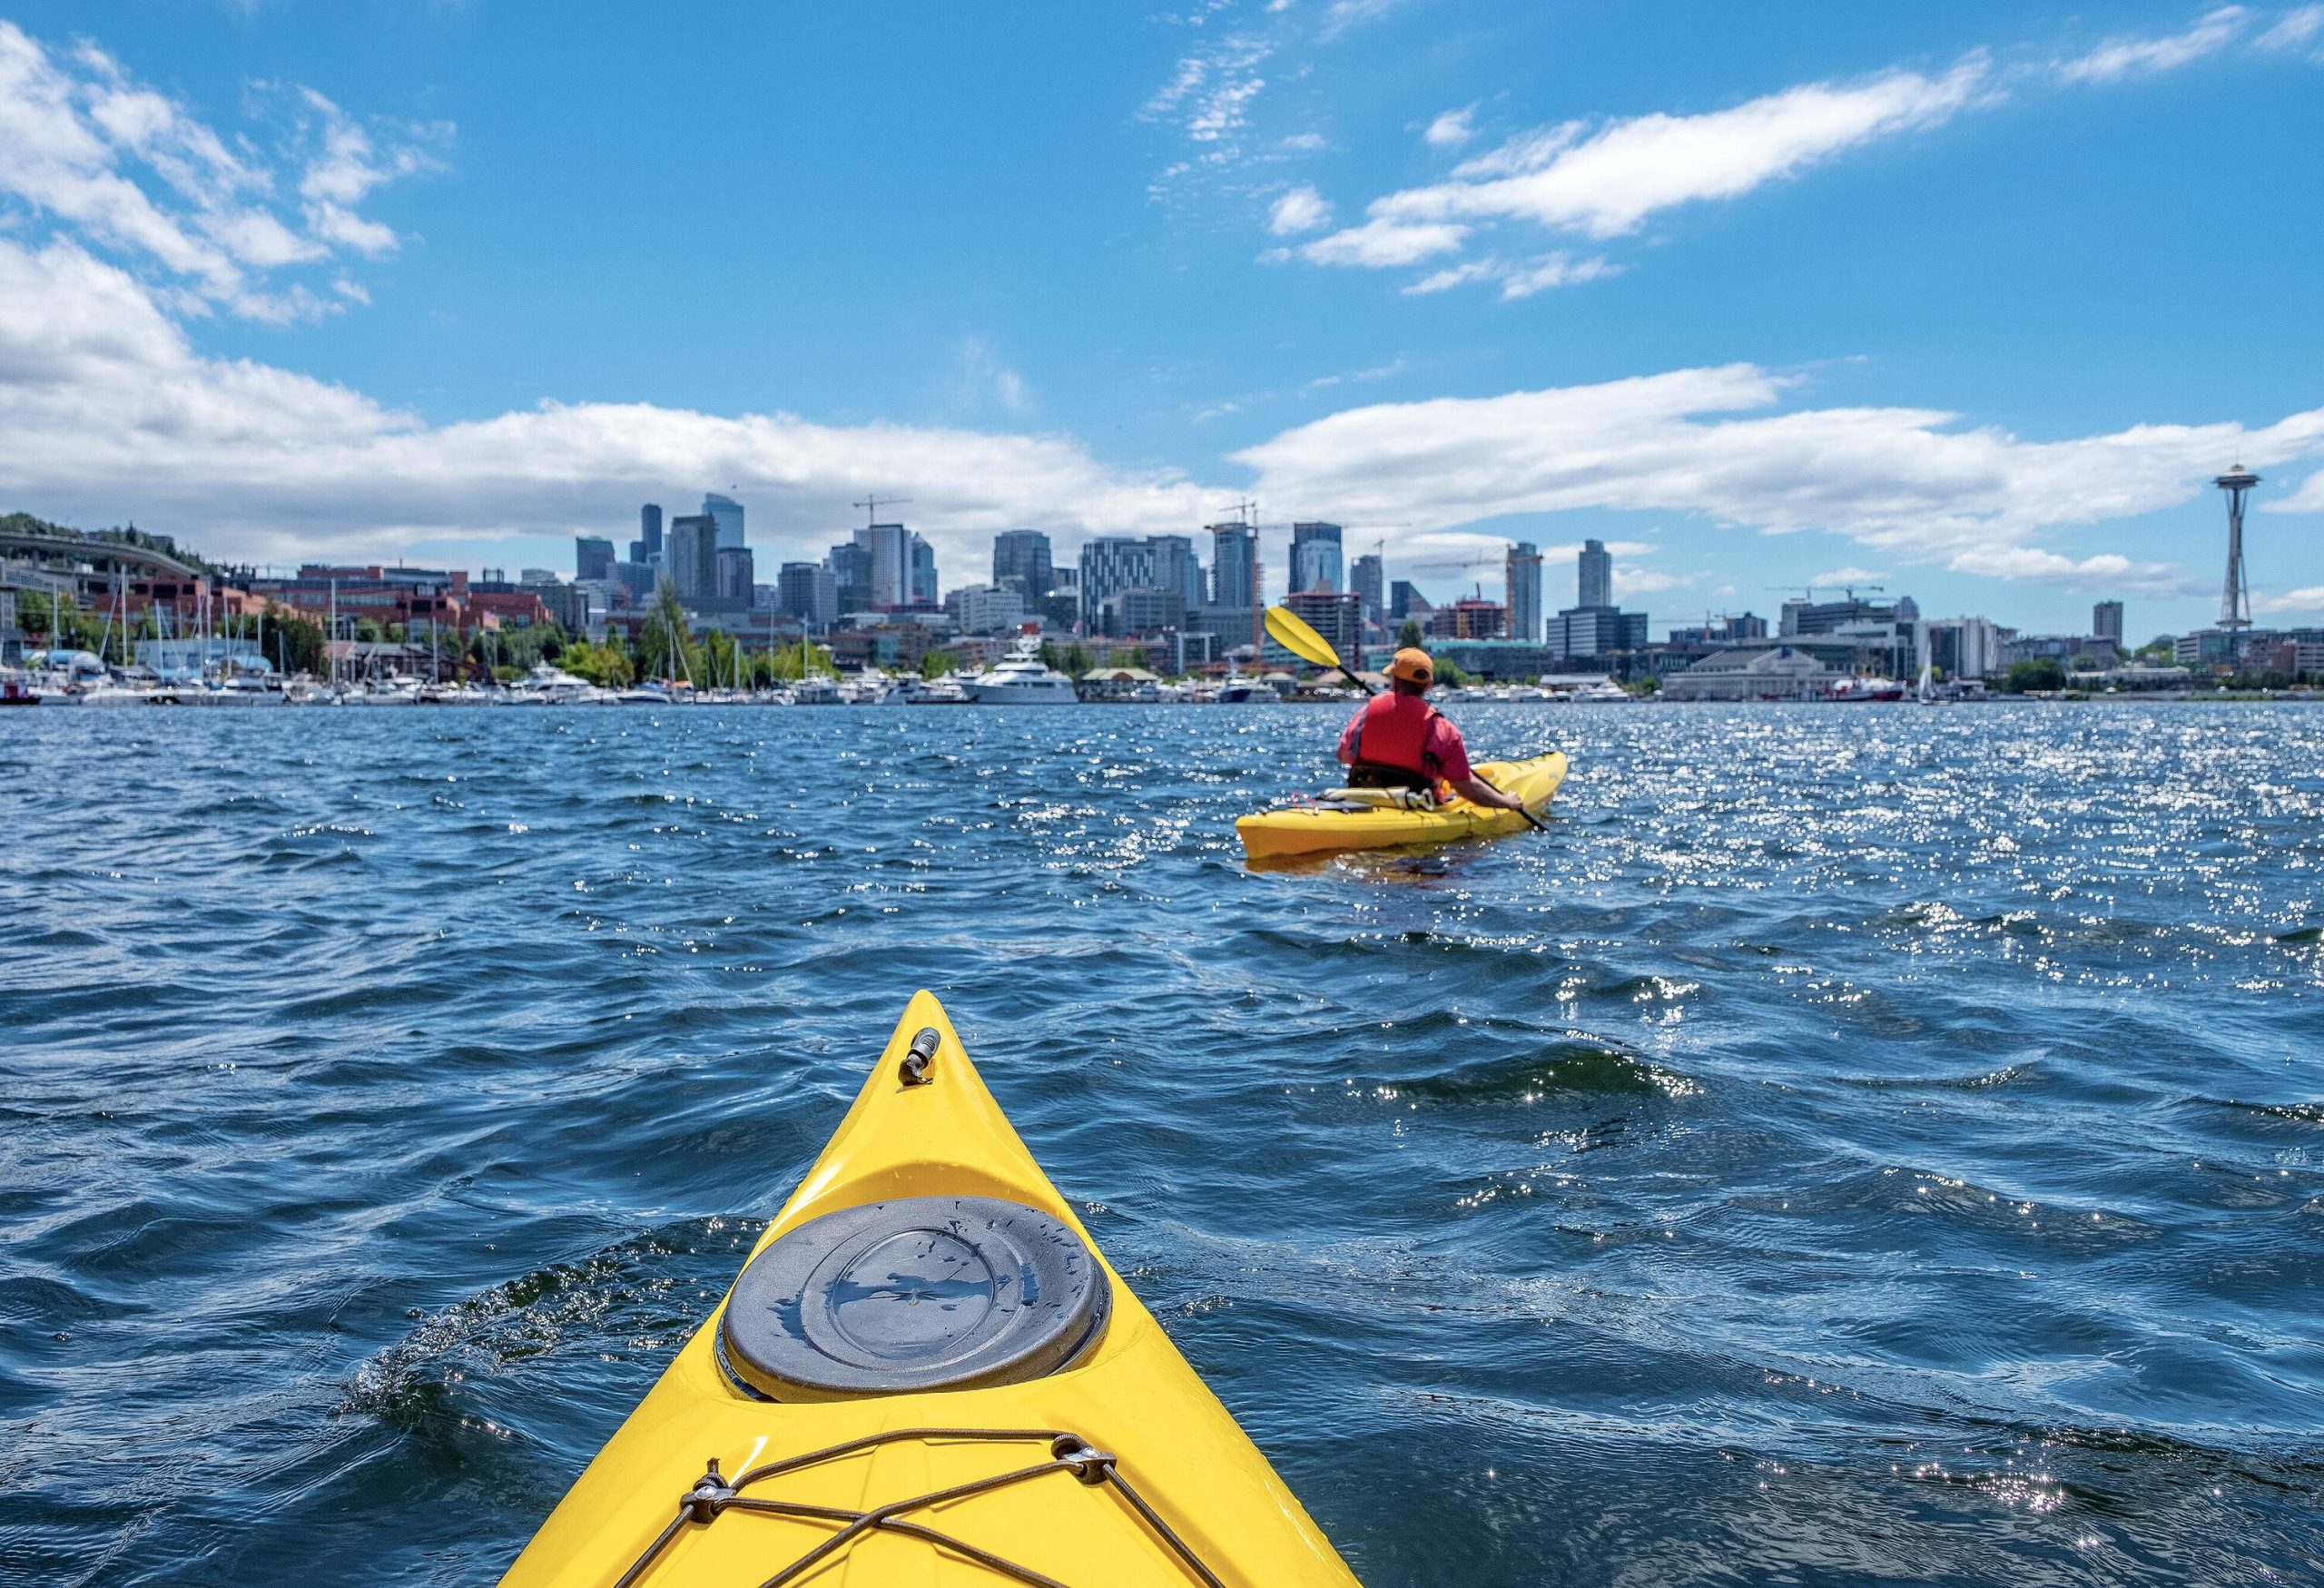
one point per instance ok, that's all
(913, 1294)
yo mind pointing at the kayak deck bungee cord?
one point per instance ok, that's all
(926, 1374)
(1323, 825)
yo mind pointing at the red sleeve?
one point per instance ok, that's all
(1452, 753)
(1348, 738)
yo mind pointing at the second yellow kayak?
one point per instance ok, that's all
(927, 1374)
(1315, 829)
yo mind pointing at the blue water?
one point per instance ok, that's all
(1853, 1143)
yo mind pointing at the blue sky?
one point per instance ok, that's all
(1968, 301)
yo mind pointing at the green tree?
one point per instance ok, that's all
(936, 663)
(2040, 673)
(664, 649)
(1409, 634)
(294, 641)
(799, 658)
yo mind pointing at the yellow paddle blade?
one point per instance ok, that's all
(1292, 633)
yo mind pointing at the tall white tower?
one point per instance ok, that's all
(2235, 601)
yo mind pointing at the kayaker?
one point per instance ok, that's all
(1400, 740)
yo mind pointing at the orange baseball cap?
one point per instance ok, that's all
(1411, 665)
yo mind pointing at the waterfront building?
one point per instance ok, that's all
(593, 557)
(690, 557)
(1141, 609)
(2106, 622)
(1023, 554)
(995, 608)
(1502, 661)
(1804, 617)
(1960, 647)
(1721, 631)
(636, 580)
(727, 514)
(1178, 569)
(1595, 584)
(1233, 565)
(1469, 618)
(1524, 591)
(647, 548)
(1596, 631)
(1364, 579)
(1336, 615)
(1229, 627)
(1315, 557)
(538, 576)
(1776, 673)
(808, 592)
(1403, 595)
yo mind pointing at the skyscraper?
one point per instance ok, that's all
(647, 547)
(1364, 577)
(1524, 590)
(734, 571)
(1598, 574)
(1233, 565)
(1024, 554)
(851, 566)
(890, 545)
(1315, 557)
(593, 557)
(690, 557)
(1111, 563)
(921, 583)
(1177, 569)
(2106, 622)
(806, 591)
(728, 512)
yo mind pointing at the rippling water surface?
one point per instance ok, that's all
(1852, 1143)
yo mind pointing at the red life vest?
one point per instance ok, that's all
(1394, 733)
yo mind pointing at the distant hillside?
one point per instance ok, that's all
(27, 524)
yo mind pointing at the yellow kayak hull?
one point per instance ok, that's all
(1133, 1396)
(1309, 830)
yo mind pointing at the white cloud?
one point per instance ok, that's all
(1342, 14)
(1380, 243)
(1608, 184)
(131, 172)
(2308, 598)
(1908, 481)
(2308, 499)
(2294, 30)
(1302, 208)
(1453, 128)
(1302, 143)
(110, 414)
(2120, 58)
(1518, 279)
(1632, 582)
(1841, 577)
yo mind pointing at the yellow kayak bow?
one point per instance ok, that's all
(927, 1374)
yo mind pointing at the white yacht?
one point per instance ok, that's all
(1021, 678)
(550, 685)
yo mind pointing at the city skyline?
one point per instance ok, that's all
(298, 290)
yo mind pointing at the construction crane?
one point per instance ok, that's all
(872, 503)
